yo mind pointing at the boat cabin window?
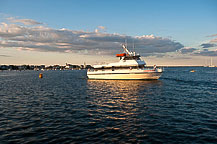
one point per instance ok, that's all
(141, 66)
(113, 68)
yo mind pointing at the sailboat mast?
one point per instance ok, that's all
(211, 61)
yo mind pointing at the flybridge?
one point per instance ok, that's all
(127, 59)
(128, 55)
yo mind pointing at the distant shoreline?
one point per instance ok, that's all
(59, 67)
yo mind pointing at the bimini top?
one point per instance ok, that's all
(121, 55)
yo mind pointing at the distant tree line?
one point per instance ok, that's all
(43, 67)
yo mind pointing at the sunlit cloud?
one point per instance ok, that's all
(207, 53)
(187, 50)
(100, 29)
(214, 40)
(208, 45)
(212, 35)
(23, 21)
(4, 55)
(36, 37)
(209, 48)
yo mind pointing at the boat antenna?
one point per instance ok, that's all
(126, 43)
(134, 48)
(133, 45)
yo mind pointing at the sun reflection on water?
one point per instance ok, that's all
(118, 101)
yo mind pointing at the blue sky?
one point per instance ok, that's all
(187, 22)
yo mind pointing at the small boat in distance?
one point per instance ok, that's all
(129, 67)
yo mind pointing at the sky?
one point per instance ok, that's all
(164, 32)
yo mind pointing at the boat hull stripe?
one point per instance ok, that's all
(121, 73)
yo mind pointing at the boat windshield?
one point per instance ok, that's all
(131, 58)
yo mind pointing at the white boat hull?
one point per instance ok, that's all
(125, 75)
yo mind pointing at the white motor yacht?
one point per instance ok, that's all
(129, 67)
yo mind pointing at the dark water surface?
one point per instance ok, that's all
(65, 107)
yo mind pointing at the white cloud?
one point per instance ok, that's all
(212, 35)
(214, 40)
(4, 55)
(23, 21)
(41, 38)
(11, 30)
(187, 50)
(101, 27)
(207, 53)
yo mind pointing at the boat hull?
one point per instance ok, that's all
(124, 75)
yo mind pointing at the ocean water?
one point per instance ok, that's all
(65, 107)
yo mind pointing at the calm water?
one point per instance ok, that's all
(65, 107)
